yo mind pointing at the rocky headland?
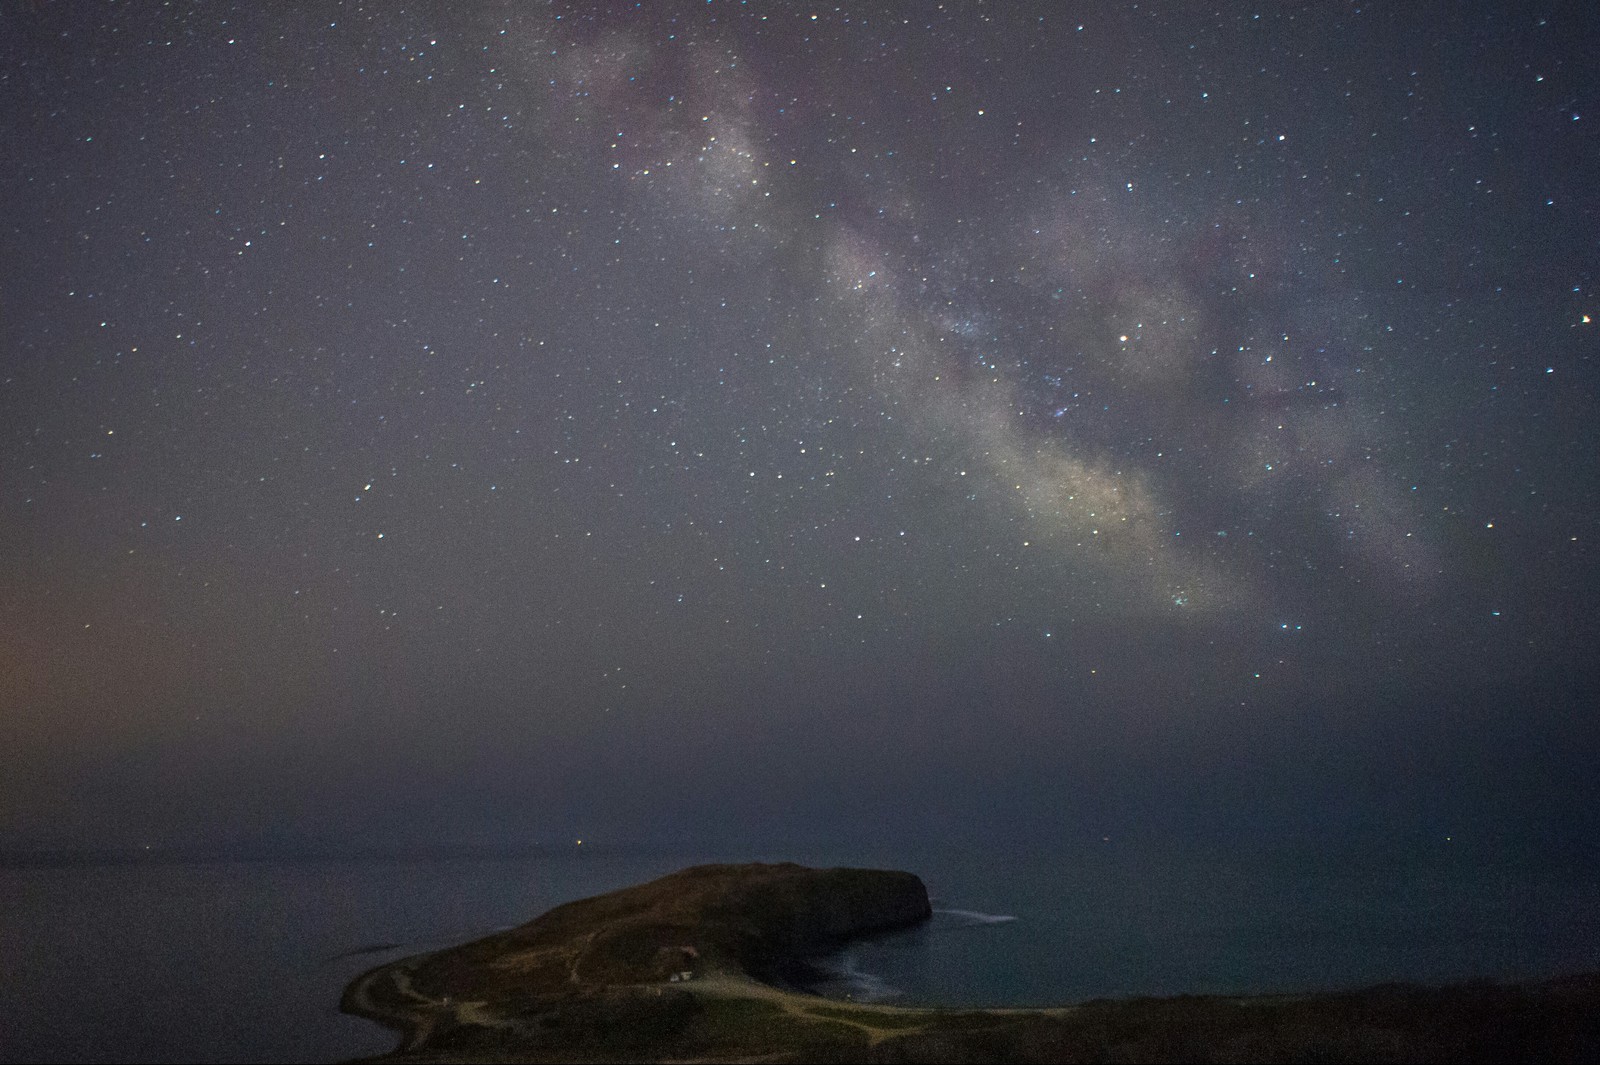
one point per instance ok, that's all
(684, 968)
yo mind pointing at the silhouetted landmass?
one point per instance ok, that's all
(679, 968)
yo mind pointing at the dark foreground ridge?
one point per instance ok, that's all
(677, 970)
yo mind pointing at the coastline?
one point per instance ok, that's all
(361, 998)
(602, 980)
(1551, 1020)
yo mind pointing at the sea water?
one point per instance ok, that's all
(245, 961)
(1111, 922)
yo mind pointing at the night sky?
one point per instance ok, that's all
(499, 422)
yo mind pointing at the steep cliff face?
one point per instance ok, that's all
(796, 911)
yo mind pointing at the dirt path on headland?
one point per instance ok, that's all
(372, 996)
(802, 1007)
(388, 996)
(416, 1025)
(878, 1022)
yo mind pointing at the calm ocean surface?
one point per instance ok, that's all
(245, 961)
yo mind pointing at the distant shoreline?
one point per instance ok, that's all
(46, 858)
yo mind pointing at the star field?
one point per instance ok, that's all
(540, 403)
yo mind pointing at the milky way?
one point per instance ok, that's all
(526, 400)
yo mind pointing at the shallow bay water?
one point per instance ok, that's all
(244, 961)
